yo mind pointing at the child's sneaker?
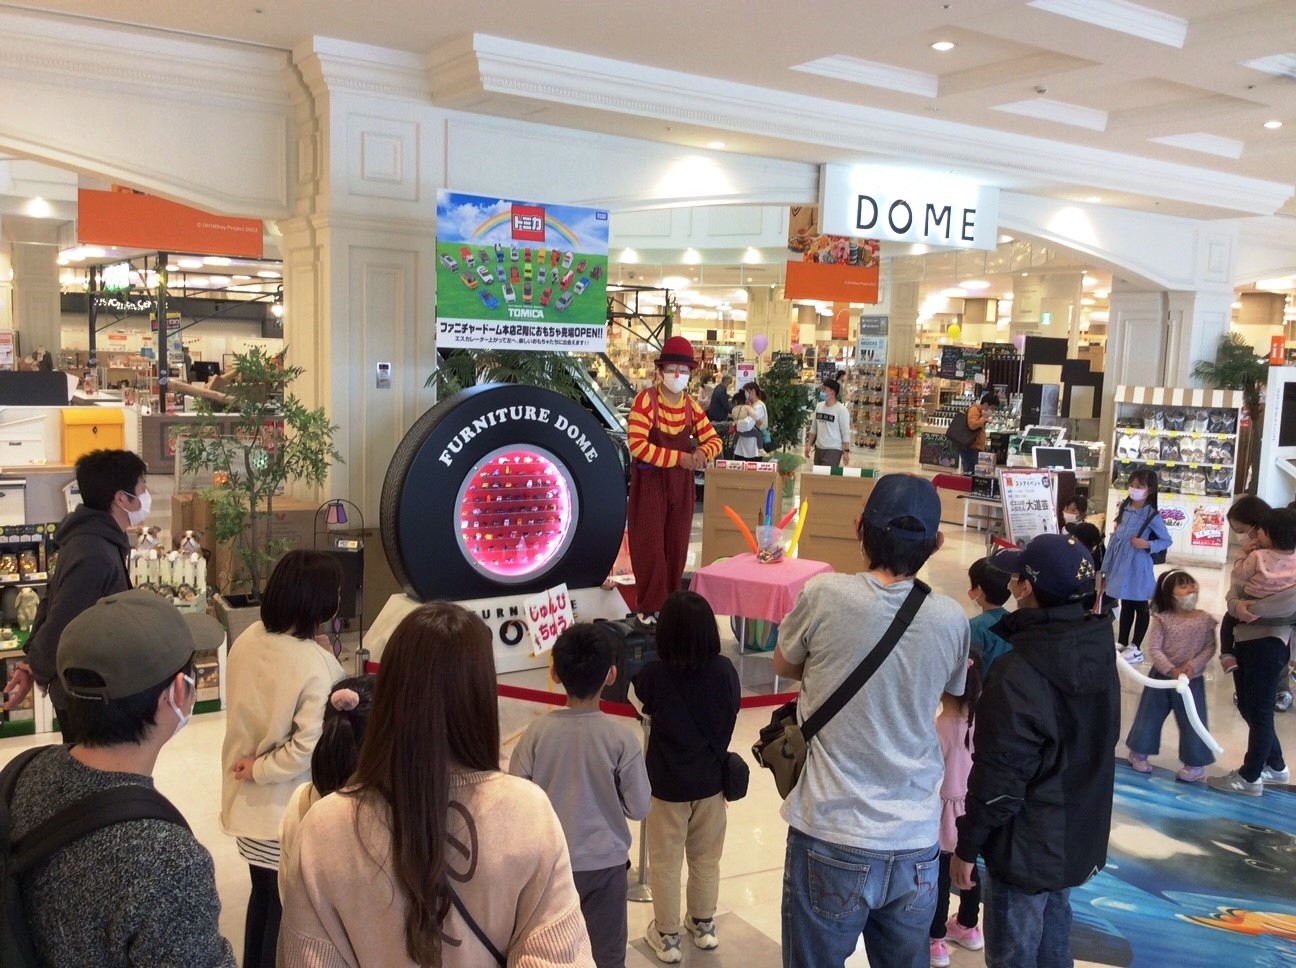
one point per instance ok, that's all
(1283, 702)
(704, 933)
(1190, 774)
(939, 953)
(1139, 762)
(667, 946)
(1268, 775)
(1234, 783)
(969, 938)
(1132, 654)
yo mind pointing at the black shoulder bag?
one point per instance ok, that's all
(783, 744)
(1158, 557)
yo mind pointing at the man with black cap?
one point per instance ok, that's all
(127, 891)
(830, 434)
(864, 817)
(1040, 792)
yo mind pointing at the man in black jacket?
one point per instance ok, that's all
(93, 550)
(1040, 792)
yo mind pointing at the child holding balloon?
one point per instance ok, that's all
(1181, 641)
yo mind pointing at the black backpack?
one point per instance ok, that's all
(91, 813)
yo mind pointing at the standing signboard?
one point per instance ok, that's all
(1028, 503)
(520, 275)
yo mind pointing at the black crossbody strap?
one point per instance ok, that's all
(864, 671)
(91, 813)
(1146, 524)
(720, 756)
(476, 928)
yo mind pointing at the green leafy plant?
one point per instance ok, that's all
(787, 400)
(460, 369)
(276, 440)
(1237, 367)
(787, 469)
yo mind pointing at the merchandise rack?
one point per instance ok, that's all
(866, 396)
(1190, 438)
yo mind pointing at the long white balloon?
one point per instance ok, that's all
(1179, 685)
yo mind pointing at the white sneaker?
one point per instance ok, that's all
(667, 946)
(1132, 654)
(704, 933)
(1275, 776)
(1233, 783)
(1283, 702)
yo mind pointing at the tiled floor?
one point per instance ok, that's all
(752, 868)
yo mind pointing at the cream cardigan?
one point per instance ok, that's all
(277, 687)
(508, 863)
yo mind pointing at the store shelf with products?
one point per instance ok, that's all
(906, 389)
(1189, 437)
(866, 395)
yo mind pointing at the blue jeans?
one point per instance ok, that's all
(1025, 930)
(1154, 707)
(832, 894)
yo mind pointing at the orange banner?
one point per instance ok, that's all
(832, 282)
(134, 220)
(841, 320)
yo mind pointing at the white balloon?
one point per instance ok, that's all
(1179, 685)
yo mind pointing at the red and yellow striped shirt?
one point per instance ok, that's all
(671, 420)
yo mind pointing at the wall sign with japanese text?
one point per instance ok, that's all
(520, 275)
(1029, 505)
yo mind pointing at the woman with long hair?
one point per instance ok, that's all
(278, 680)
(431, 856)
(751, 430)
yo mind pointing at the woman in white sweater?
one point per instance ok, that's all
(278, 681)
(433, 856)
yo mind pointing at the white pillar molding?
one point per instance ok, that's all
(36, 312)
(6, 288)
(902, 341)
(1197, 323)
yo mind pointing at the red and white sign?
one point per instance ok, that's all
(528, 223)
(547, 615)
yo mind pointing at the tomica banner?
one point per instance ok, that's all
(520, 275)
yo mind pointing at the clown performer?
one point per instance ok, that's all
(664, 422)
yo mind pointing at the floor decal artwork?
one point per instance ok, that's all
(1194, 877)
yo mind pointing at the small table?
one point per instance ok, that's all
(988, 509)
(744, 588)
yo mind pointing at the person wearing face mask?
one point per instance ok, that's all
(93, 550)
(665, 422)
(751, 427)
(142, 891)
(1181, 641)
(830, 436)
(1127, 567)
(1076, 509)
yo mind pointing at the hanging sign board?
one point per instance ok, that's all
(872, 349)
(129, 219)
(520, 275)
(829, 267)
(1028, 502)
(907, 206)
(874, 325)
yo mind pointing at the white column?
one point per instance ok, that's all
(6, 289)
(1197, 323)
(36, 296)
(902, 341)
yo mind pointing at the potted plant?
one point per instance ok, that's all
(1237, 367)
(788, 401)
(276, 441)
(788, 463)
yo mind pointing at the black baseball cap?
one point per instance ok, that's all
(897, 496)
(1058, 566)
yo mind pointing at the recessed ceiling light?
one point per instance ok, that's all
(172, 267)
(189, 263)
(943, 45)
(217, 260)
(264, 274)
(1237, 305)
(975, 284)
(715, 145)
(1093, 199)
(1273, 124)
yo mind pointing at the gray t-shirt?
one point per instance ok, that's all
(873, 774)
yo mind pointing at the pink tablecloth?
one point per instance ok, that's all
(742, 586)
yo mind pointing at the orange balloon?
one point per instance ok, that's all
(742, 526)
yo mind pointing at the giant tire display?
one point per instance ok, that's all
(503, 489)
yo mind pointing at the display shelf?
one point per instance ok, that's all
(906, 390)
(866, 396)
(1155, 427)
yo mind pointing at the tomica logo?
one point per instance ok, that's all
(529, 223)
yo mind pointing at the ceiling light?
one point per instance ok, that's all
(715, 145)
(239, 278)
(1237, 305)
(1087, 302)
(691, 257)
(675, 282)
(1094, 199)
(751, 256)
(189, 263)
(1025, 274)
(1089, 281)
(1101, 294)
(974, 284)
(93, 252)
(172, 267)
(943, 45)
(219, 280)
(265, 273)
(1005, 239)
(199, 282)
(1272, 125)
(38, 208)
(217, 260)
(629, 256)
(277, 310)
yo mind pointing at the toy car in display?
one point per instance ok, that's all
(542, 276)
(540, 255)
(526, 292)
(510, 294)
(466, 254)
(596, 272)
(513, 254)
(564, 301)
(514, 276)
(580, 266)
(449, 263)
(568, 278)
(581, 285)
(526, 255)
(483, 256)
(527, 272)
(546, 296)
(484, 275)
(499, 252)
(487, 298)
(567, 259)
(554, 256)
(468, 280)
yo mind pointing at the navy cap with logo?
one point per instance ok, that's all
(897, 496)
(1059, 568)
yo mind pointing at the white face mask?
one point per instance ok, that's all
(675, 382)
(1138, 493)
(1070, 518)
(184, 719)
(146, 505)
(1186, 602)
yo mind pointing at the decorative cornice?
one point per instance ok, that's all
(843, 67)
(331, 65)
(1021, 162)
(1123, 16)
(1059, 112)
